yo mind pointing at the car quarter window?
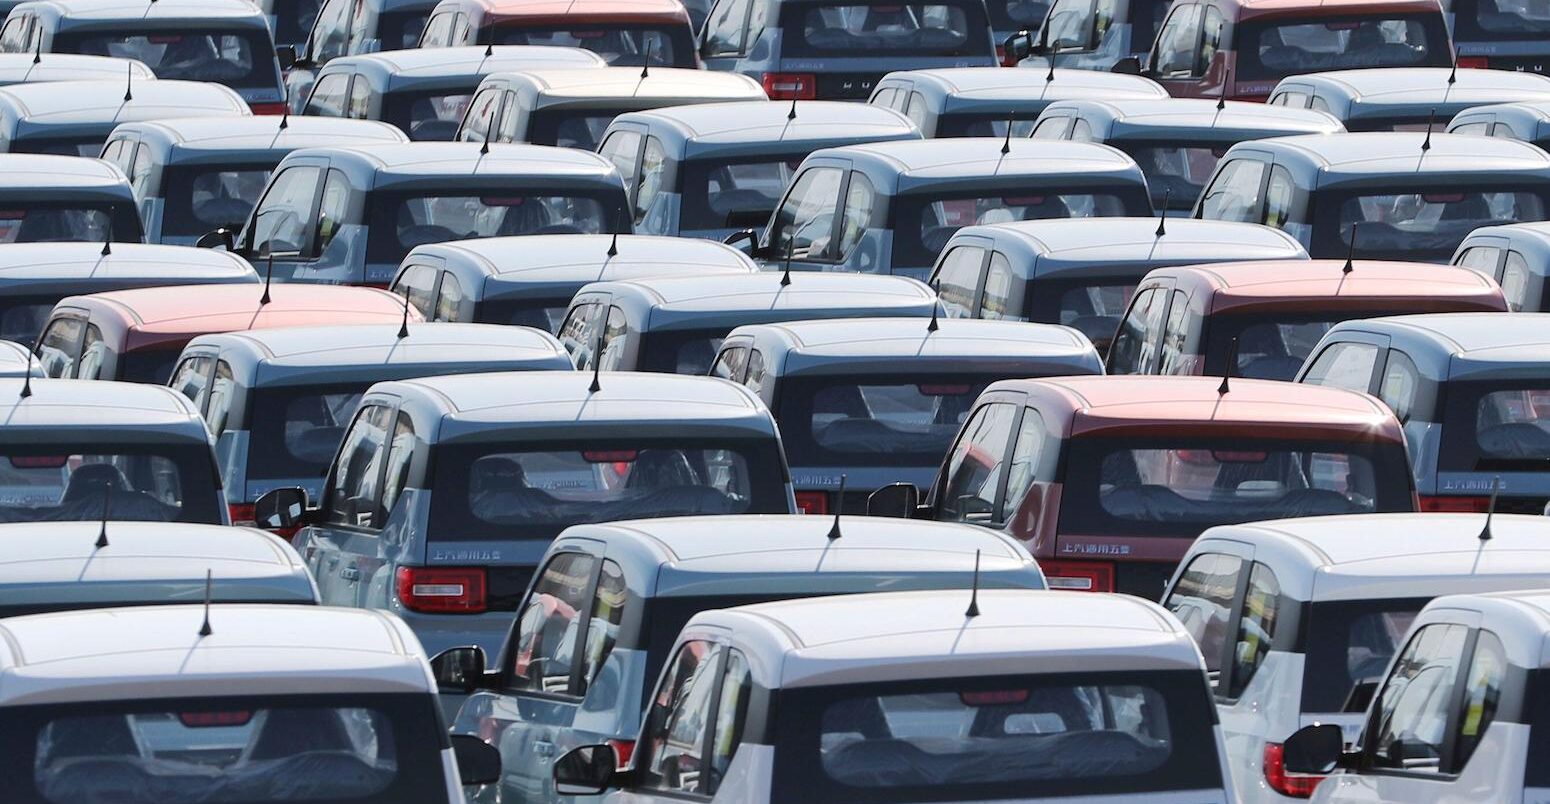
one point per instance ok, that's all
(656, 176)
(614, 330)
(400, 458)
(192, 380)
(449, 299)
(916, 110)
(1050, 128)
(856, 219)
(1175, 352)
(1345, 365)
(1482, 128)
(333, 210)
(331, 32)
(804, 224)
(355, 488)
(1203, 601)
(1401, 385)
(756, 372)
(543, 649)
(603, 621)
(1027, 452)
(1003, 297)
(1127, 353)
(1211, 29)
(1257, 618)
(94, 352)
(577, 333)
(1517, 283)
(731, 716)
(1482, 695)
(976, 465)
(958, 281)
(438, 30)
(725, 28)
(222, 391)
(679, 721)
(1280, 194)
(622, 148)
(1175, 53)
(1410, 719)
(1234, 195)
(730, 363)
(417, 283)
(329, 95)
(1481, 259)
(282, 223)
(59, 345)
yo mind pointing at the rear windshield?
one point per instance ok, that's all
(152, 483)
(293, 20)
(1348, 642)
(1180, 487)
(980, 125)
(923, 224)
(1270, 346)
(1426, 226)
(236, 58)
(569, 128)
(1496, 426)
(425, 116)
(891, 29)
(732, 195)
(544, 314)
(535, 491)
(22, 319)
(294, 432)
(199, 200)
(153, 366)
(1014, 15)
(1272, 50)
(1536, 710)
(875, 421)
(680, 352)
(1174, 171)
(25, 221)
(994, 738)
(399, 222)
(668, 46)
(1501, 19)
(1093, 307)
(89, 148)
(346, 748)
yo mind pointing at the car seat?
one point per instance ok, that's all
(288, 732)
(661, 469)
(87, 482)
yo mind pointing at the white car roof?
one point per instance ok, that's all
(1521, 619)
(157, 652)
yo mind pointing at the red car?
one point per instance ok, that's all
(623, 32)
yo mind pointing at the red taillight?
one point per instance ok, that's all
(623, 751)
(205, 720)
(813, 502)
(1296, 785)
(268, 108)
(1465, 505)
(1079, 576)
(791, 86)
(442, 590)
(242, 514)
(1474, 62)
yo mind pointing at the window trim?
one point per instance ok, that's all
(583, 619)
(395, 406)
(1020, 402)
(304, 254)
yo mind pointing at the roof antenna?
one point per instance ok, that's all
(1006, 144)
(268, 276)
(37, 55)
(1350, 249)
(834, 530)
(107, 243)
(1485, 533)
(1426, 144)
(1232, 358)
(489, 48)
(936, 304)
(285, 117)
(205, 630)
(129, 83)
(974, 593)
(107, 499)
(597, 366)
(645, 67)
(1453, 75)
(484, 149)
(792, 115)
(791, 245)
(1050, 76)
(1162, 219)
(403, 326)
(1221, 100)
(27, 378)
(613, 247)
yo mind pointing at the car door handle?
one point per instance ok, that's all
(350, 573)
(543, 749)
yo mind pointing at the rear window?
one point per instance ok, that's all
(1093, 307)
(401, 30)
(1501, 19)
(294, 432)
(1268, 51)
(919, 29)
(996, 738)
(426, 116)
(877, 421)
(569, 128)
(1270, 346)
(153, 366)
(1496, 426)
(90, 147)
(399, 222)
(1178, 172)
(1348, 642)
(22, 320)
(680, 352)
(293, 19)
(923, 224)
(619, 46)
(23, 220)
(732, 195)
(544, 314)
(150, 483)
(237, 58)
(1425, 226)
(1013, 15)
(199, 200)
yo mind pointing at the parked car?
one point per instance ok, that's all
(1086, 36)
(1405, 99)
(711, 169)
(277, 400)
(974, 696)
(28, 68)
(530, 280)
(352, 214)
(1515, 255)
(74, 118)
(573, 108)
(896, 204)
(865, 402)
(676, 324)
(1527, 120)
(638, 32)
(1262, 319)
(36, 276)
(222, 41)
(179, 703)
(136, 335)
(290, 20)
(65, 566)
(57, 199)
(1298, 618)
(1109, 479)
(1176, 142)
(982, 102)
(840, 50)
(1240, 49)
(487, 469)
(652, 576)
(1082, 274)
(1399, 196)
(347, 28)
(194, 174)
(16, 361)
(150, 460)
(1497, 36)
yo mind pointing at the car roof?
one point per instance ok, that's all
(924, 164)
(996, 89)
(1051, 247)
(402, 70)
(1532, 238)
(517, 266)
(1381, 157)
(1234, 121)
(1520, 618)
(157, 652)
(65, 268)
(569, 10)
(709, 129)
(23, 68)
(54, 108)
(555, 87)
(414, 162)
(97, 412)
(1535, 115)
(1303, 8)
(734, 299)
(16, 361)
(854, 638)
(124, 13)
(1325, 284)
(1416, 86)
(223, 140)
(1470, 345)
(707, 555)
(58, 176)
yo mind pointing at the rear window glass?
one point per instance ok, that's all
(242, 59)
(1514, 19)
(617, 46)
(294, 432)
(1277, 50)
(399, 222)
(689, 352)
(1350, 642)
(199, 200)
(736, 195)
(1502, 426)
(426, 116)
(980, 125)
(919, 29)
(89, 148)
(568, 128)
(882, 421)
(1011, 15)
(22, 322)
(923, 224)
(1092, 309)
(1270, 347)
(1178, 172)
(293, 19)
(544, 314)
(1425, 227)
(25, 221)
(142, 484)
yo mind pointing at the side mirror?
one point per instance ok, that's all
(220, 238)
(287, 56)
(478, 762)
(898, 500)
(1020, 46)
(458, 671)
(1315, 749)
(585, 771)
(1130, 65)
(746, 241)
(281, 508)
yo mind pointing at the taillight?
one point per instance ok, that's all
(791, 86)
(813, 502)
(242, 514)
(442, 590)
(1296, 785)
(1474, 62)
(268, 108)
(1467, 505)
(623, 751)
(1079, 576)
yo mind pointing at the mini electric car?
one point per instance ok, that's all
(1086, 36)
(954, 696)
(1499, 36)
(74, 118)
(636, 33)
(30, 68)
(1177, 141)
(1109, 479)
(651, 576)
(1262, 319)
(423, 92)
(221, 41)
(574, 107)
(890, 207)
(1405, 99)
(16, 361)
(194, 174)
(1382, 196)
(34, 277)
(711, 169)
(1517, 256)
(1082, 273)
(136, 335)
(351, 215)
(982, 102)
(676, 324)
(65, 199)
(865, 402)
(277, 400)
(347, 28)
(483, 471)
(1527, 120)
(150, 459)
(530, 280)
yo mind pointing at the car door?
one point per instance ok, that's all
(344, 548)
(959, 277)
(694, 724)
(972, 483)
(724, 39)
(59, 345)
(1175, 54)
(282, 227)
(802, 233)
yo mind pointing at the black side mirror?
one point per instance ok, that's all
(746, 241)
(286, 54)
(585, 771)
(898, 500)
(458, 671)
(1130, 65)
(478, 762)
(1315, 749)
(1017, 47)
(281, 508)
(220, 238)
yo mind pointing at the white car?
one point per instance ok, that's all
(239, 704)
(1298, 619)
(923, 696)
(1463, 715)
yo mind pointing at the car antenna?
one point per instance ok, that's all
(613, 246)
(37, 55)
(107, 243)
(1162, 219)
(1490, 509)
(205, 630)
(129, 83)
(1232, 357)
(597, 366)
(834, 530)
(785, 279)
(1426, 144)
(1350, 249)
(1006, 144)
(403, 326)
(1453, 75)
(1050, 76)
(792, 115)
(974, 590)
(936, 303)
(645, 67)
(269, 276)
(489, 49)
(1221, 100)
(285, 117)
(107, 500)
(27, 378)
(484, 149)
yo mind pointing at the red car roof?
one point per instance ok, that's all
(1319, 285)
(1254, 9)
(583, 11)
